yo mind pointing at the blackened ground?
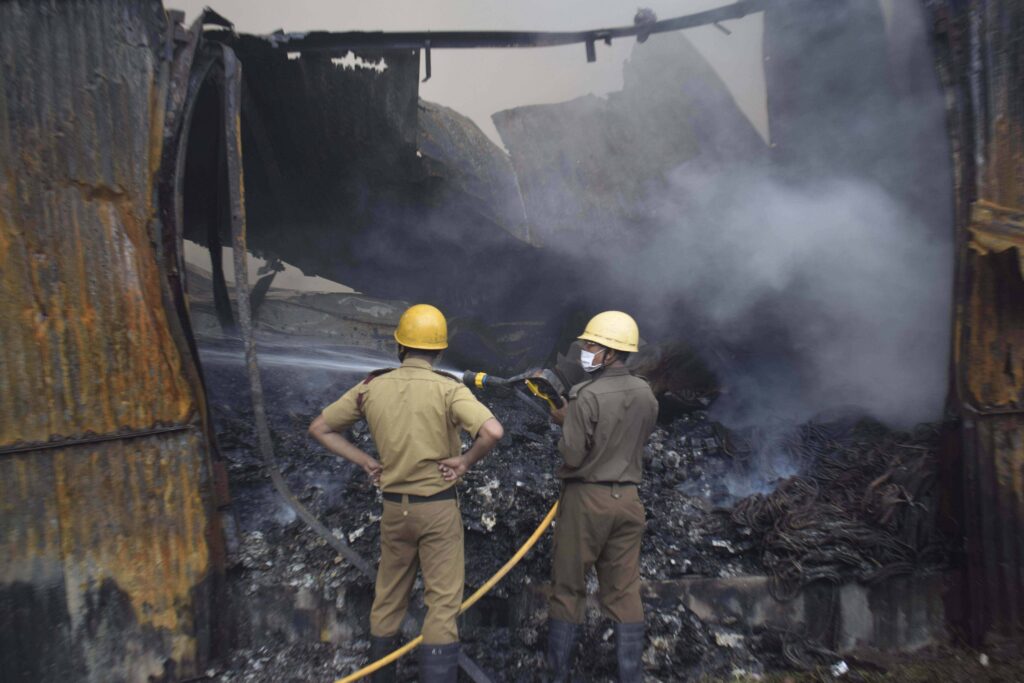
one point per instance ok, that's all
(718, 504)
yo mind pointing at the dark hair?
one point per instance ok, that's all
(430, 354)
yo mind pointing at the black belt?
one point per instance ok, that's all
(447, 494)
(600, 483)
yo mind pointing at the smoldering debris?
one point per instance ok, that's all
(864, 505)
(857, 505)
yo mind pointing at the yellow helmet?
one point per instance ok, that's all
(613, 329)
(422, 327)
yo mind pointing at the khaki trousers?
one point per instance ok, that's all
(414, 535)
(600, 526)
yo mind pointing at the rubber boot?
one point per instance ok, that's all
(439, 663)
(379, 648)
(629, 650)
(562, 638)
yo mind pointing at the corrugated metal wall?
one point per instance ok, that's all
(105, 504)
(981, 58)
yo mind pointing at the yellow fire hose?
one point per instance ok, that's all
(469, 602)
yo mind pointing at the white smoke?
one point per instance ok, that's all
(856, 287)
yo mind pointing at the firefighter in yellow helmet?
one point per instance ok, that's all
(605, 425)
(415, 415)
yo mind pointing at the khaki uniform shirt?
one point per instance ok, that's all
(607, 424)
(414, 416)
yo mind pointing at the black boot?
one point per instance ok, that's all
(629, 649)
(561, 648)
(439, 663)
(382, 647)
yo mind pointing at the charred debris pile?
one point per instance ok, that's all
(838, 500)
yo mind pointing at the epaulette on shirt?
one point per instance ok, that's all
(445, 374)
(369, 378)
(375, 374)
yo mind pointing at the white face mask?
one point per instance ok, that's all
(587, 361)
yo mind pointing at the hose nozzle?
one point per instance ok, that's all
(480, 380)
(544, 385)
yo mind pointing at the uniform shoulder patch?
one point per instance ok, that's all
(375, 374)
(445, 374)
(575, 390)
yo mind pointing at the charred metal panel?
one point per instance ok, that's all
(980, 57)
(337, 185)
(810, 46)
(993, 327)
(330, 154)
(883, 119)
(586, 166)
(473, 170)
(105, 502)
(997, 85)
(990, 373)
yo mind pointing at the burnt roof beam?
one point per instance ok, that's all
(324, 41)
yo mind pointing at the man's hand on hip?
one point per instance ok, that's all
(453, 468)
(373, 470)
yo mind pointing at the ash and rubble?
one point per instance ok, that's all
(850, 500)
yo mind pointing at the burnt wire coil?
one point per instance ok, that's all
(863, 508)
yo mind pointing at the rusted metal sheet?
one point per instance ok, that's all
(35, 628)
(993, 524)
(149, 553)
(992, 356)
(108, 541)
(980, 58)
(108, 544)
(85, 341)
(997, 86)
